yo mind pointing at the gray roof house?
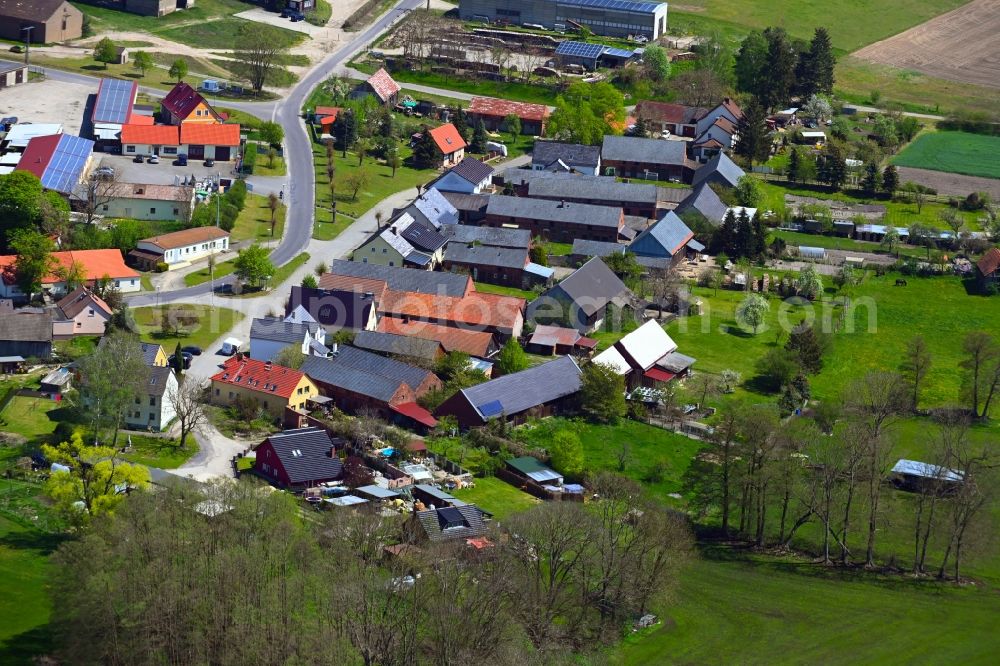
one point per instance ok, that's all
(557, 220)
(268, 337)
(399, 279)
(492, 237)
(646, 151)
(556, 156)
(720, 169)
(469, 176)
(334, 309)
(704, 200)
(582, 299)
(416, 244)
(299, 457)
(26, 334)
(448, 524)
(668, 237)
(432, 209)
(427, 351)
(484, 255)
(540, 390)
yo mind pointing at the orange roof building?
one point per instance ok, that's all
(210, 135)
(503, 315)
(94, 265)
(379, 84)
(151, 135)
(273, 387)
(196, 140)
(449, 142)
(493, 111)
(473, 343)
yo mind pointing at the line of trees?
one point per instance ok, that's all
(773, 67)
(163, 581)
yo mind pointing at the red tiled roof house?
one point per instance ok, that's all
(273, 387)
(493, 111)
(380, 86)
(449, 142)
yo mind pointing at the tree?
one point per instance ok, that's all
(704, 386)
(891, 238)
(97, 477)
(426, 153)
(566, 453)
(20, 202)
(512, 357)
(253, 265)
(186, 399)
(122, 320)
(586, 112)
(807, 348)
(256, 50)
(273, 203)
(915, 366)
(794, 171)
(751, 61)
(809, 284)
(981, 368)
(625, 267)
(393, 160)
(290, 357)
(110, 378)
(831, 167)
(460, 120)
(890, 180)
(106, 52)
(817, 107)
(178, 69)
(479, 138)
(916, 192)
(309, 282)
(754, 141)
(33, 261)
(953, 219)
(271, 133)
(777, 368)
(602, 393)
(178, 360)
(748, 191)
(362, 147)
(872, 181)
(657, 63)
(356, 181)
(779, 74)
(817, 65)
(512, 125)
(142, 61)
(752, 311)
(73, 274)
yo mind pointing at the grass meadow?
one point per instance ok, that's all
(953, 152)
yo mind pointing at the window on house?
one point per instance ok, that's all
(230, 395)
(137, 399)
(105, 208)
(216, 393)
(90, 313)
(152, 210)
(152, 401)
(152, 417)
(392, 263)
(177, 212)
(79, 324)
(129, 149)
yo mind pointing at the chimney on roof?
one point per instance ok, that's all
(562, 203)
(267, 365)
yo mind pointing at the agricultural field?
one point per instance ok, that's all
(953, 152)
(851, 24)
(959, 46)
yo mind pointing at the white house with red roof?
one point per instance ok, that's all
(93, 264)
(645, 356)
(450, 143)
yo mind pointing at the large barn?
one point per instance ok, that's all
(614, 18)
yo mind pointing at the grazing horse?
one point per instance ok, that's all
(900, 282)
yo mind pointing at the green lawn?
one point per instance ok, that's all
(324, 229)
(254, 221)
(847, 244)
(851, 24)
(24, 604)
(35, 418)
(76, 347)
(512, 90)
(487, 288)
(731, 608)
(262, 168)
(155, 78)
(213, 322)
(496, 496)
(220, 270)
(281, 274)
(656, 457)
(953, 152)
(160, 451)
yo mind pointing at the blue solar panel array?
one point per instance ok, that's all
(114, 101)
(619, 53)
(580, 49)
(67, 163)
(619, 5)
(491, 408)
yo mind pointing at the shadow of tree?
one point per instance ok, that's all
(27, 647)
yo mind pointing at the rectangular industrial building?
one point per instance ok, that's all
(613, 18)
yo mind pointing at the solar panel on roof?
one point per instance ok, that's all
(491, 408)
(114, 101)
(619, 5)
(67, 163)
(619, 53)
(580, 49)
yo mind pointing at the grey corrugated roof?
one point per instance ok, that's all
(472, 170)
(434, 208)
(467, 202)
(704, 200)
(676, 362)
(359, 359)
(663, 238)
(649, 151)
(555, 211)
(545, 153)
(523, 390)
(720, 165)
(592, 286)
(277, 330)
(401, 345)
(468, 518)
(494, 237)
(26, 327)
(305, 454)
(404, 279)
(593, 187)
(341, 375)
(591, 248)
(484, 255)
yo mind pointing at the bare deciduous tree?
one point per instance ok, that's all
(187, 401)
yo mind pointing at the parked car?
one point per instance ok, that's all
(182, 160)
(297, 16)
(186, 361)
(104, 172)
(231, 346)
(138, 159)
(154, 159)
(210, 163)
(194, 350)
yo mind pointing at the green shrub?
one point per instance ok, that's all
(162, 267)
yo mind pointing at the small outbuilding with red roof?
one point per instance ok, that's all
(493, 112)
(449, 142)
(988, 269)
(379, 85)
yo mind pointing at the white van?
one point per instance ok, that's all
(231, 346)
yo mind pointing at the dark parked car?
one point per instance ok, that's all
(194, 350)
(210, 163)
(138, 159)
(182, 160)
(187, 361)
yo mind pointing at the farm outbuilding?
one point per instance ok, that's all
(914, 475)
(807, 252)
